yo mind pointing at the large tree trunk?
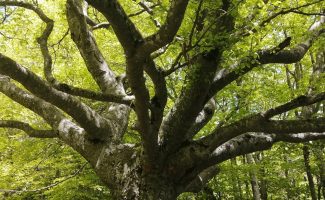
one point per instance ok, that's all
(121, 168)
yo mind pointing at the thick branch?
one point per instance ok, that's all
(125, 30)
(249, 143)
(94, 60)
(202, 119)
(47, 111)
(98, 96)
(202, 179)
(257, 123)
(245, 144)
(43, 41)
(192, 100)
(68, 131)
(95, 125)
(28, 129)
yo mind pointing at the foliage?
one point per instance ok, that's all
(29, 164)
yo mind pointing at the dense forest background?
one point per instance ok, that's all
(32, 168)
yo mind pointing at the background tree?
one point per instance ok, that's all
(204, 82)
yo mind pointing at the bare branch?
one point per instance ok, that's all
(257, 123)
(43, 41)
(252, 142)
(26, 5)
(28, 129)
(47, 111)
(107, 24)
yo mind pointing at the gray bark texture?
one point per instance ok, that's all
(169, 159)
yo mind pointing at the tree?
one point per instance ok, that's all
(176, 77)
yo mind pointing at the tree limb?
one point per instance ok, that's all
(43, 41)
(125, 30)
(225, 77)
(202, 119)
(66, 130)
(202, 179)
(192, 100)
(257, 123)
(295, 103)
(245, 144)
(28, 129)
(95, 125)
(94, 60)
(252, 142)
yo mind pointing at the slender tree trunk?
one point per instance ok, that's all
(236, 183)
(286, 174)
(309, 174)
(321, 165)
(263, 184)
(247, 190)
(254, 179)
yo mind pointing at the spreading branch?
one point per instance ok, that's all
(260, 123)
(28, 129)
(244, 144)
(86, 43)
(43, 42)
(191, 102)
(68, 131)
(253, 142)
(94, 124)
(225, 77)
(125, 30)
(295, 103)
